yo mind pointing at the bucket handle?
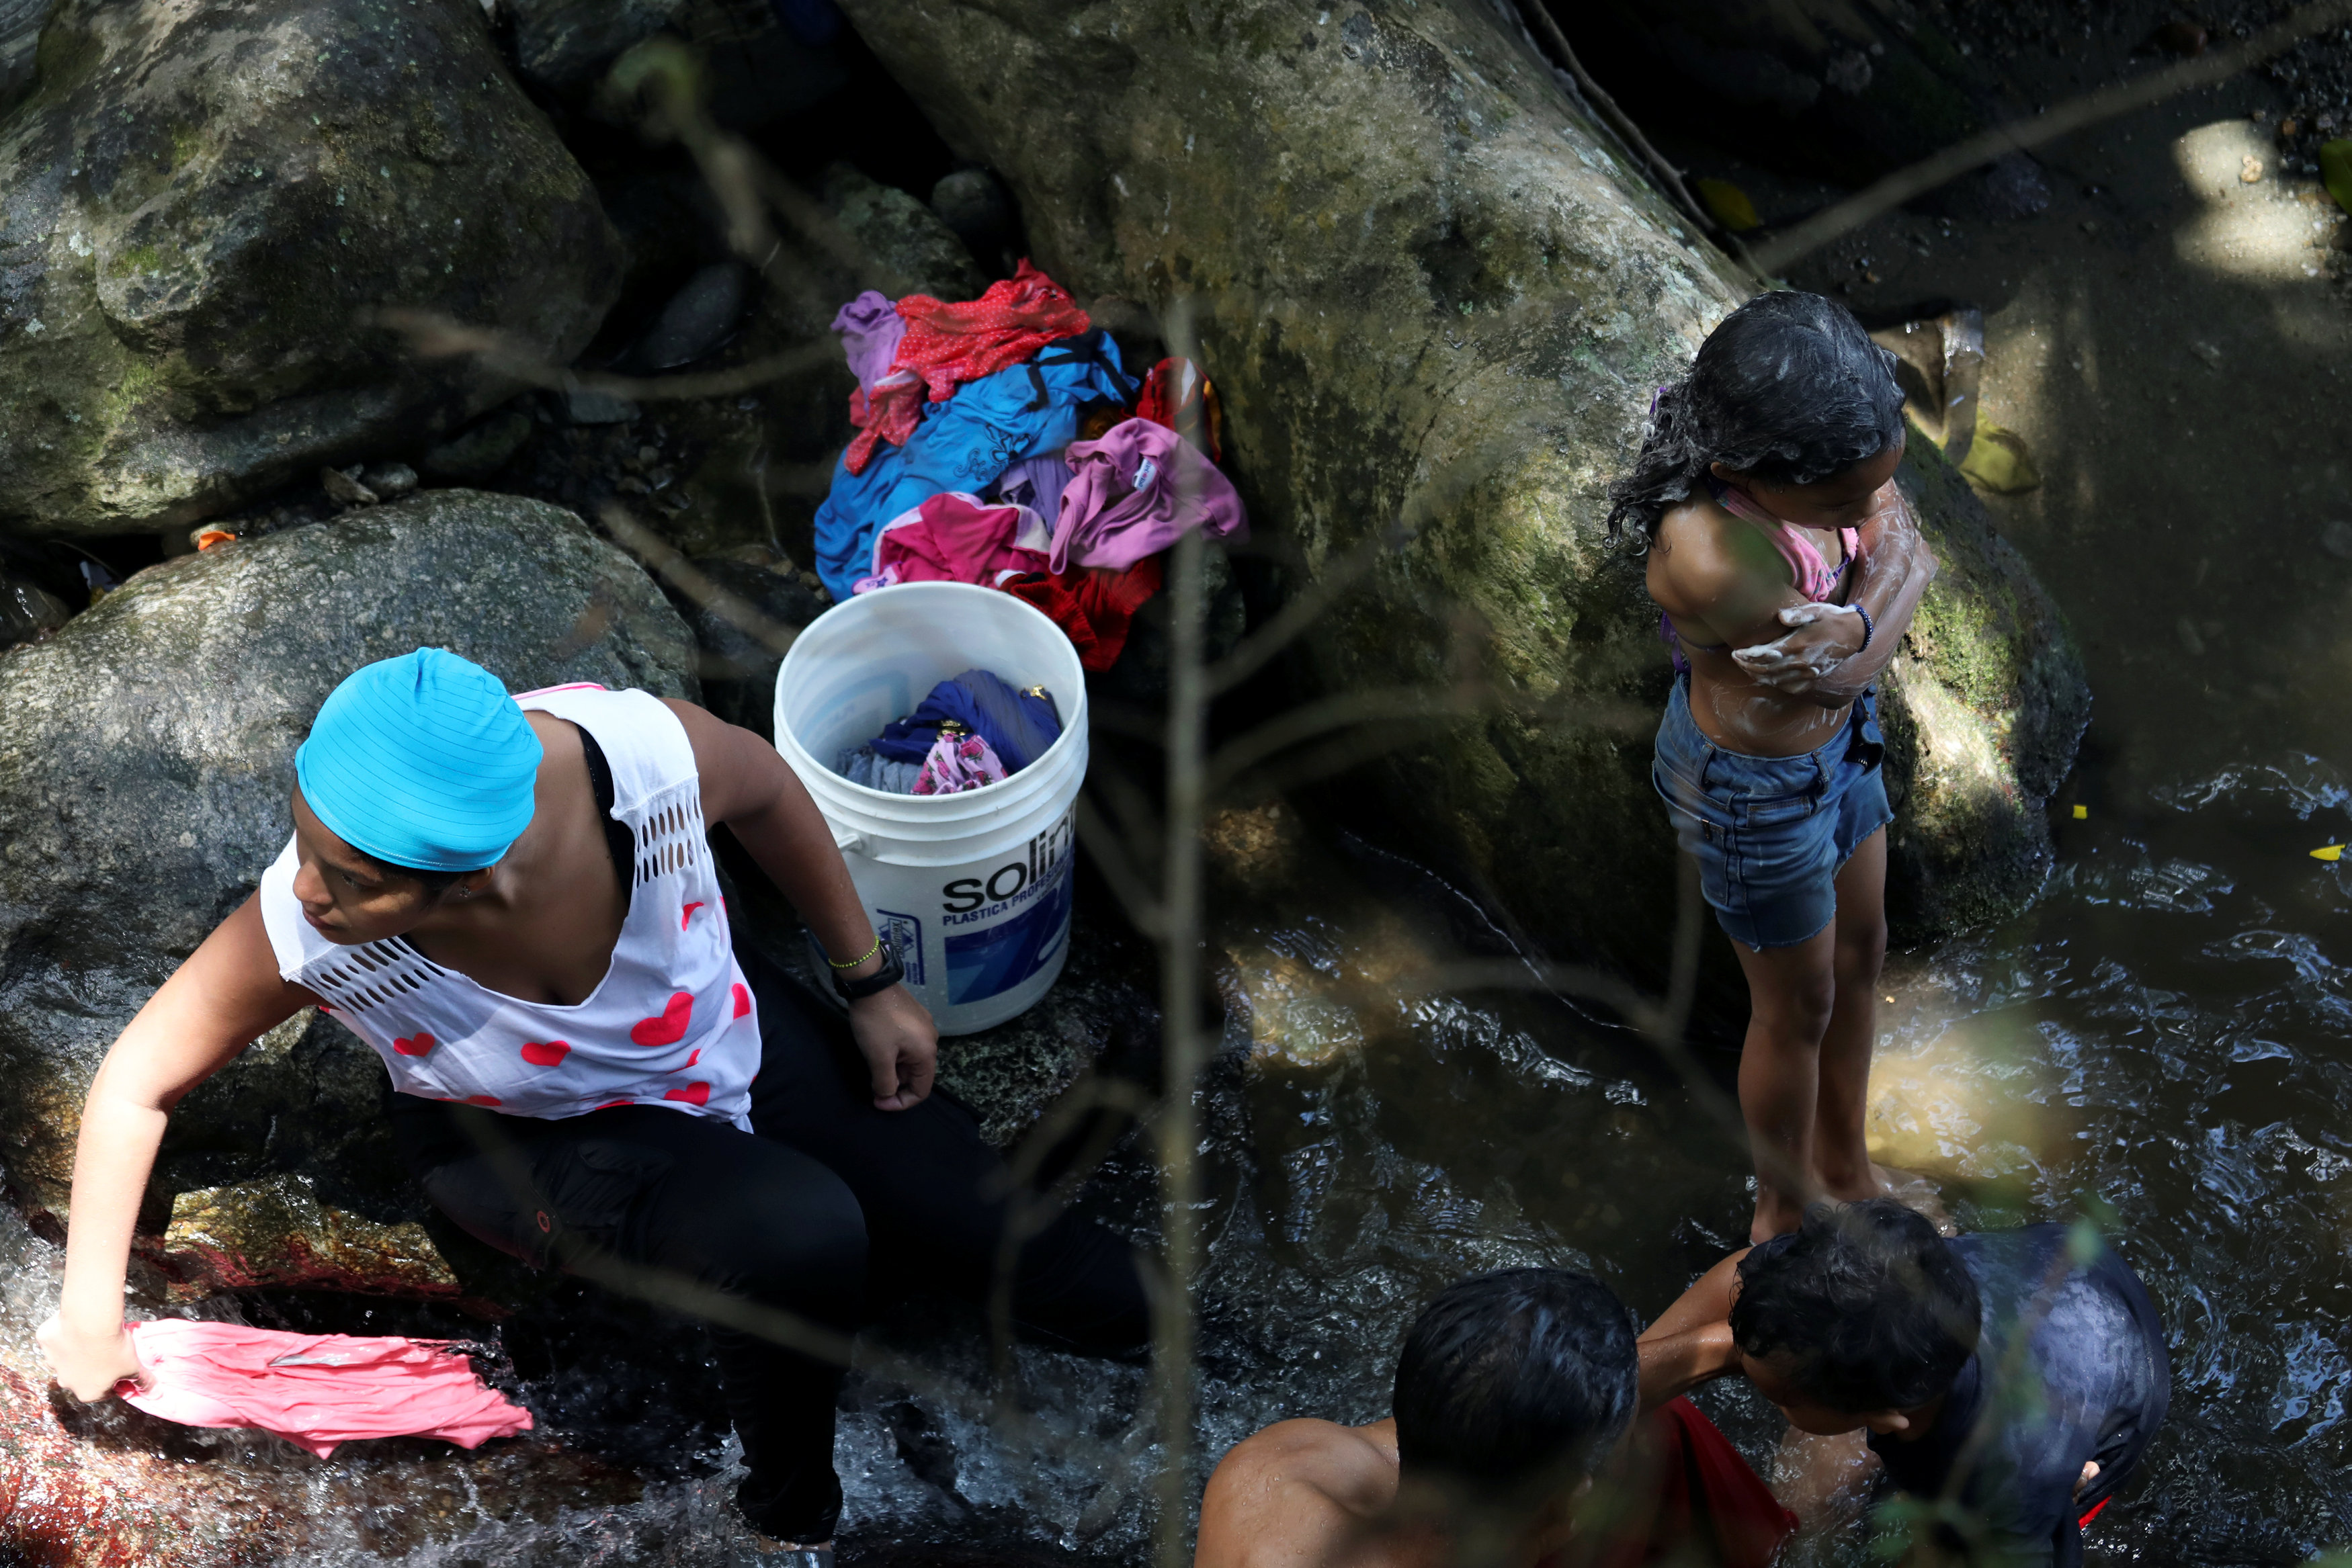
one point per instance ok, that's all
(847, 841)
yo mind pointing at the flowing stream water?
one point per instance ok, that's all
(2161, 1041)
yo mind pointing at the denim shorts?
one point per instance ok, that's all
(1770, 834)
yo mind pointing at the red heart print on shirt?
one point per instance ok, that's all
(483, 1100)
(416, 1044)
(693, 1094)
(668, 1029)
(695, 1058)
(687, 918)
(742, 999)
(546, 1052)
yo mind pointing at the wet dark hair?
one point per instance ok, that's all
(1788, 387)
(1513, 1377)
(1869, 1307)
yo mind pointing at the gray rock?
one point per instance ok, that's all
(739, 663)
(481, 449)
(978, 210)
(753, 67)
(566, 46)
(908, 249)
(199, 205)
(389, 480)
(1429, 291)
(147, 760)
(27, 609)
(582, 406)
(696, 321)
(20, 35)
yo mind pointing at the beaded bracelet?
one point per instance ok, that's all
(1866, 630)
(878, 941)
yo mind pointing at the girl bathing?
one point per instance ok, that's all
(1788, 565)
(512, 900)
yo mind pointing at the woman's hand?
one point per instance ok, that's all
(90, 1364)
(900, 1044)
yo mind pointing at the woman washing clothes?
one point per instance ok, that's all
(512, 900)
(1788, 565)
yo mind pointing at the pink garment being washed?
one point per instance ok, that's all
(956, 537)
(1136, 491)
(316, 1390)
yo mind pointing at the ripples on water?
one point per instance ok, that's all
(2163, 1039)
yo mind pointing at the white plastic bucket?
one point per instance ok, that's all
(972, 889)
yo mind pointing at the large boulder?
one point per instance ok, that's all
(199, 203)
(144, 774)
(1430, 290)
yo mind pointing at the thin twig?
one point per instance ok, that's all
(664, 557)
(1660, 170)
(1181, 1046)
(1775, 254)
(433, 335)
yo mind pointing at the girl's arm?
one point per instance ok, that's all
(752, 790)
(1691, 1342)
(214, 1006)
(1820, 657)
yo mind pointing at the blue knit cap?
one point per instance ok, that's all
(422, 761)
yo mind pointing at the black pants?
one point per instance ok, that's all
(832, 1209)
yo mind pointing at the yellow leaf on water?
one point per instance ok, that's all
(2328, 852)
(1729, 204)
(1997, 460)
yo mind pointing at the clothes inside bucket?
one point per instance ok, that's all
(971, 731)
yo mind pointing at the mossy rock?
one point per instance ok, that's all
(1432, 295)
(200, 205)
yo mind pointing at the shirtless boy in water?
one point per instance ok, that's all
(1765, 495)
(1514, 1394)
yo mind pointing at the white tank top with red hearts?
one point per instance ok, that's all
(672, 1022)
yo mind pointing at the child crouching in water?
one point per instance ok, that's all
(1788, 566)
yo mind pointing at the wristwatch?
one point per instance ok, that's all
(882, 979)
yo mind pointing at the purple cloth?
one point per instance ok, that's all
(1134, 493)
(870, 328)
(1036, 483)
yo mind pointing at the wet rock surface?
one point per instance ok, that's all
(1430, 292)
(201, 206)
(145, 770)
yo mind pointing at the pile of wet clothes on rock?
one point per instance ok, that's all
(973, 731)
(1001, 442)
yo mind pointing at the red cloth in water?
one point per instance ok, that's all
(946, 344)
(1092, 606)
(1711, 1506)
(890, 414)
(316, 1390)
(1179, 397)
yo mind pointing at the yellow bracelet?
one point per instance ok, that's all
(860, 959)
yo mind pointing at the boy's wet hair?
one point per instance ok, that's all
(1513, 1377)
(1788, 387)
(1865, 1306)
